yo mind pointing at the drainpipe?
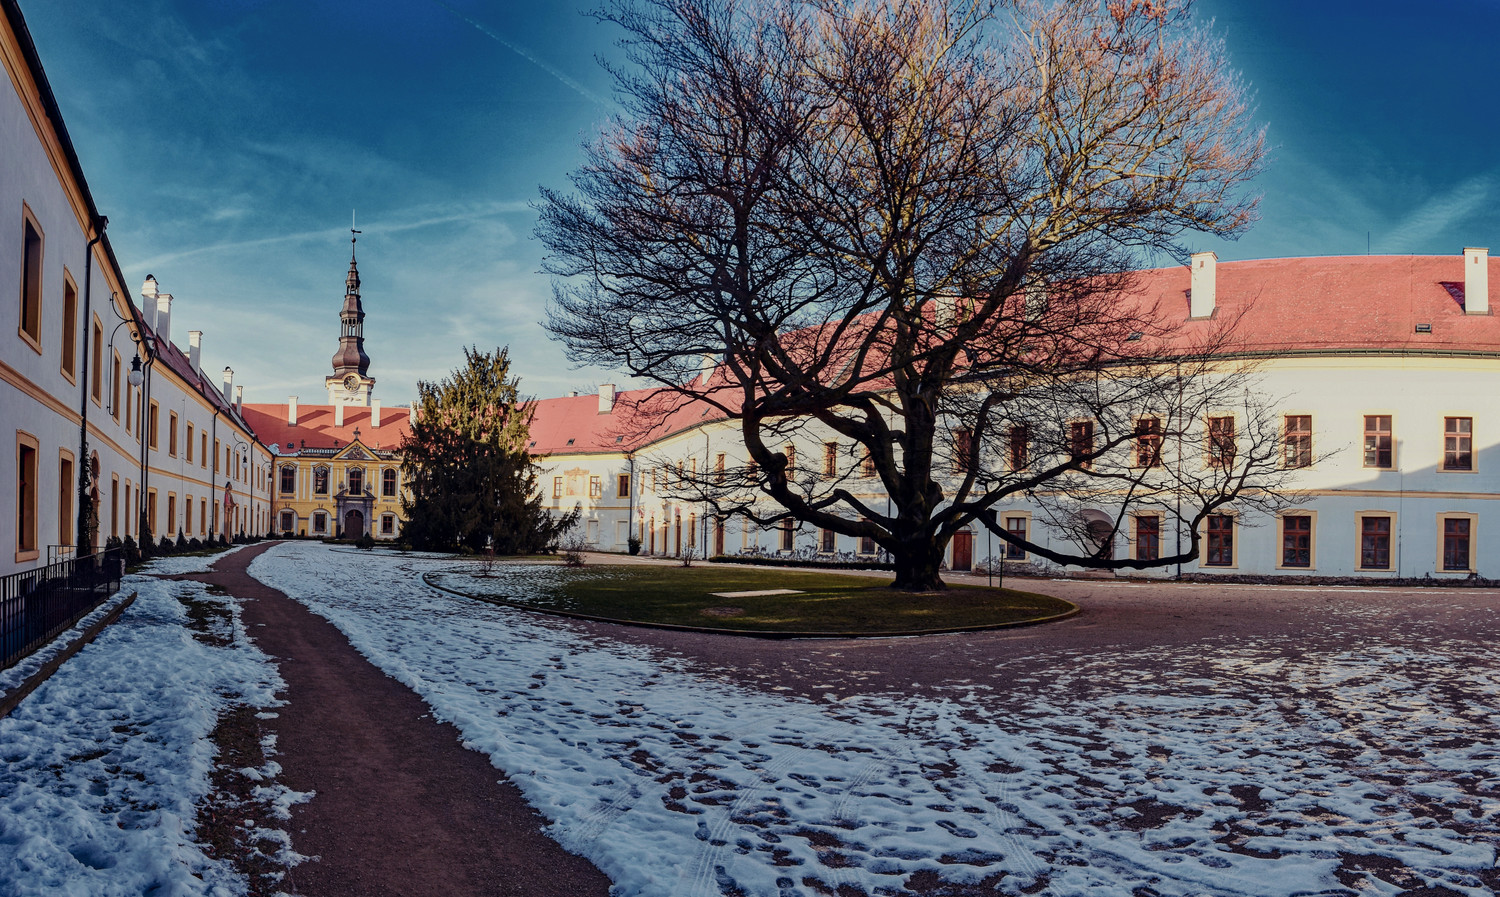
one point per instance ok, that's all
(214, 496)
(84, 473)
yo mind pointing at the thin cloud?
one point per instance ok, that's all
(531, 58)
(489, 210)
(1434, 218)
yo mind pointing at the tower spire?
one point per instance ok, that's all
(350, 382)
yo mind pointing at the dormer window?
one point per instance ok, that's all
(570, 442)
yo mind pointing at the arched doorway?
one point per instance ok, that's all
(1099, 531)
(354, 524)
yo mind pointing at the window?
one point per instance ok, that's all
(65, 487)
(830, 459)
(187, 513)
(787, 534)
(1457, 557)
(1296, 440)
(1458, 443)
(1148, 442)
(1220, 540)
(171, 514)
(963, 448)
(387, 524)
(114, 388)
(114, 507)
(1147, 537)
(1296, 540)
(1081, 443)
(622, 485)
(172, 433)
(1378, 441)
(26, 496)
(130, 399)
(69, 329)
(288, 479)
(557, 487)
(96, 364)
(1374, 542)
(151, 425)
(866, 545)
(1016, 441)
(596, 487)
(320, 481)
(203, 450)
(867, 466)
(791, 460)
(1221, 442)
(31, 286)
(357, 481)
(320, 522)
(203, 516)
(152, 523)
(388, 483)
(216, 459)
(288, 520)
(827, 541)
(718, 471)
(1016, 526)
(188, 444)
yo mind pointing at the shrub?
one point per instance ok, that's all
(165, 546)
(132, 551)
(634, 545)
(365, 542)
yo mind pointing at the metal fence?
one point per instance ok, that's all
(38, 605)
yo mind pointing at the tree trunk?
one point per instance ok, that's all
(917, 566)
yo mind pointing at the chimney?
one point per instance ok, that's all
(195, 348)
(1034, 294)
(1476, 281)
(710, 362)
(291, 411)
(1202, 289)
(374, 413)
(606, 397)
(164, 317)
(148, 301)
(239, 398)
(413, 415)
(338, 414)
(228, 382)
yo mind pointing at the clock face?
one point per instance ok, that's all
(351, 383)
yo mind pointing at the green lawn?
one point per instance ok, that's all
(826, 603)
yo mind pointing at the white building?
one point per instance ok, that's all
(69, 335)
(1383, 370)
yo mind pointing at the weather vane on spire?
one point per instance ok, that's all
(353, 238)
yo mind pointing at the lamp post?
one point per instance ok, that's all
(242, 444)
(139, 376)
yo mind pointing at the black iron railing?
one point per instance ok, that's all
(38, 605)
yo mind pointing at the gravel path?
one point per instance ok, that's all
(401, 808)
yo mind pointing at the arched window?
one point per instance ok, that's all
(320, 481)
(388, 483)
(288, 478)
(356, 480)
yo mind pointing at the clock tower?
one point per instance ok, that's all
(350, 383)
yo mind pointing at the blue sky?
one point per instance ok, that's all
(228, 141)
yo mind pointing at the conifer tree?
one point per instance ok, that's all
(473, 483)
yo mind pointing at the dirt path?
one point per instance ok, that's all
(401, 807)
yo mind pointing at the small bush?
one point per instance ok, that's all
(132, 551)
(165, 546)
(634, 545)
(365, 542)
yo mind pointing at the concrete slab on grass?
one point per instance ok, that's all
(757, 593)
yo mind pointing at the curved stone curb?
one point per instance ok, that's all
(754, 633)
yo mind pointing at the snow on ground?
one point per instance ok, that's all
(1254, 769)
(102, 766)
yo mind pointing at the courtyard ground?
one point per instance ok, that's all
(1176, 740)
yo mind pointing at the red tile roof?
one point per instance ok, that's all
(1330, 304)
(315, 426)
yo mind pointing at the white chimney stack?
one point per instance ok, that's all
(1476, 281)
(228, 382)
(338, 414)
(413, 415)
(1201, 297)
(195, 348)
(710, 362)
(291, 411)
(374, 413)
(606, 397)
(239, 397)
(148, 301)
(164, 317)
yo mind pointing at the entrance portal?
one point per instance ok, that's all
(354, 525)
(963, 550)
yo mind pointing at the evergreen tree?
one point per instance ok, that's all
(472, 480)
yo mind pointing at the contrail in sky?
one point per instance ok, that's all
(530, 57)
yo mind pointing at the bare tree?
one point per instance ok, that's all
(904, 226)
